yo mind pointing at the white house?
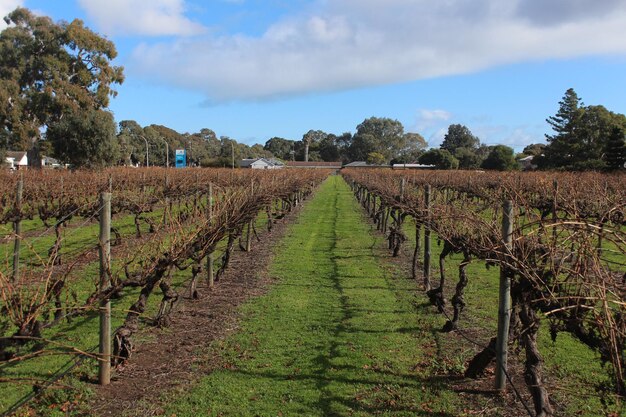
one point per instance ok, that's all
(49, 162)
(412, 166)
(527, 163)
(261, 163)
(16, 160)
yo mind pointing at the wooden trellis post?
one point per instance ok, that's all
(209, 268)
(17, 227)
(210, 202)
(504, 308)
(427, 238)
(249, 237)
(104, 374)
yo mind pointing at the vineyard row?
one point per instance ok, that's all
(559, 240)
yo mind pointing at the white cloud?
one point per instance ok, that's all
(521, 137)
(354, 43)
(436, 138)
(427, 119)
(6, 7)
(141, 17)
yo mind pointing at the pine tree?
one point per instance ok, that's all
(616, 149)
(565, 142)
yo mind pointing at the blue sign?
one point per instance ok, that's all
(181, 158)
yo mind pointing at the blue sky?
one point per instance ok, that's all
(253, 69)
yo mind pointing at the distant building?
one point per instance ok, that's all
(527, 163)
(261, 163)
(48, 162)
(412, 166)
(19, 160)
(364, 164)
(314, 165)
(16, 160)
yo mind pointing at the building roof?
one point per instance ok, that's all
(356, 164)
(363, 164)
(412, 166)
(245, 163)
(17, 155)
(48, 160)
(313, 164)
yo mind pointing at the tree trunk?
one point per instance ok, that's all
(479, 363)
(435, 295)
(458, 301)
(533, 371)
(416, 252)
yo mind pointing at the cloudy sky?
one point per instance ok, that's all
(253, 69)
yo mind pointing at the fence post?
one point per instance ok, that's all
(555, 218)
(504, 308)
(402, 188)
(17, 227)
(209, 269)
(427, 239)
(249, 237)
(210, 203)
(104, 373)
(166, 210)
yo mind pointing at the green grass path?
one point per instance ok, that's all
(335, 335)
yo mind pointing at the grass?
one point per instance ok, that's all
(336, 334)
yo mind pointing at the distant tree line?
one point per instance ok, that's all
(377, 140)
(56, 80)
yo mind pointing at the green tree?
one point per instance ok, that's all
(412, 146)
(382, 135)
(361, 146)
(158, 135)
(616, 150)
(312, 137)
(229, 148)
(464, 146)
(328, 149)
(440, 158)
(50, 70)
(281, 148)
(375, 158)
(85, 139)
(596, 127)
(131, 146)
(205, 145)
(500, 158)
(580, 135)
(459, 136)
(534, 149)
(469, 158)
(257, 151)
(563, 144)
(408, 157)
